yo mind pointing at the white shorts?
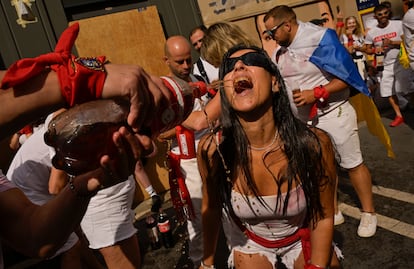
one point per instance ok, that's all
(109, 217)
(395, 79)
(287, 255)
(341, 124)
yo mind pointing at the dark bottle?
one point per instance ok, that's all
(153, 234)
(83, 134)
(165, 230)
(379, 59)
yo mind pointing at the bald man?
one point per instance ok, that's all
(183, 161)
(177, 56)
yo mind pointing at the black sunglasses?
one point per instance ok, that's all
(249, 59)
(272, 31)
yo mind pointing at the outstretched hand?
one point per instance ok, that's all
(119, 166)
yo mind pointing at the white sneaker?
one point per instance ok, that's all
(368, 225)
(339, 218)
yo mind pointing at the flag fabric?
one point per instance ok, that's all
(331, 56)
(367, 111)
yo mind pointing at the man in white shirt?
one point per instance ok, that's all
(386, 37)
(202, 67)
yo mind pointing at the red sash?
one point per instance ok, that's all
(302, 234)
(180, 196)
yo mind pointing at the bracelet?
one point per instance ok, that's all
(207, 266)
(80, 79)
(83, 194)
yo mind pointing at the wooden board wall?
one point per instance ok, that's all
(130, 37)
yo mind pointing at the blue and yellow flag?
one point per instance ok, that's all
(330, 56)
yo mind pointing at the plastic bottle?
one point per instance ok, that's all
(153, 234)
(186, 144)
(164, 228)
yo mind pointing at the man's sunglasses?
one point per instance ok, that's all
(272, 31)
(249, 59)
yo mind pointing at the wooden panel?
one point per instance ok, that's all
(129, 37)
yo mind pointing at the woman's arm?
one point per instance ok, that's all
(197, 120)
(210, 209)
(322, 232)
(38, 231)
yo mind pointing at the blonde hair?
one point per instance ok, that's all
(358, 29)
(219, 38)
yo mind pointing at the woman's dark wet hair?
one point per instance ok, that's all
(299, 143)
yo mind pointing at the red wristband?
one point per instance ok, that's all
(81, 79)
(28, 129)
(340, 24)
(320, 93)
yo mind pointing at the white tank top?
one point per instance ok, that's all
(267, 222)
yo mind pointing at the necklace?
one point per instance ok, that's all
(268, 146)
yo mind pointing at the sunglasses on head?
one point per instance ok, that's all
(249, 59)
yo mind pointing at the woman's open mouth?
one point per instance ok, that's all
(242, 83)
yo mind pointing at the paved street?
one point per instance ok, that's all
(393, 179)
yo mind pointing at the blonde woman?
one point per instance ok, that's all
(352, 38)
(219, 38)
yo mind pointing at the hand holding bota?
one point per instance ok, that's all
(84, 133)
